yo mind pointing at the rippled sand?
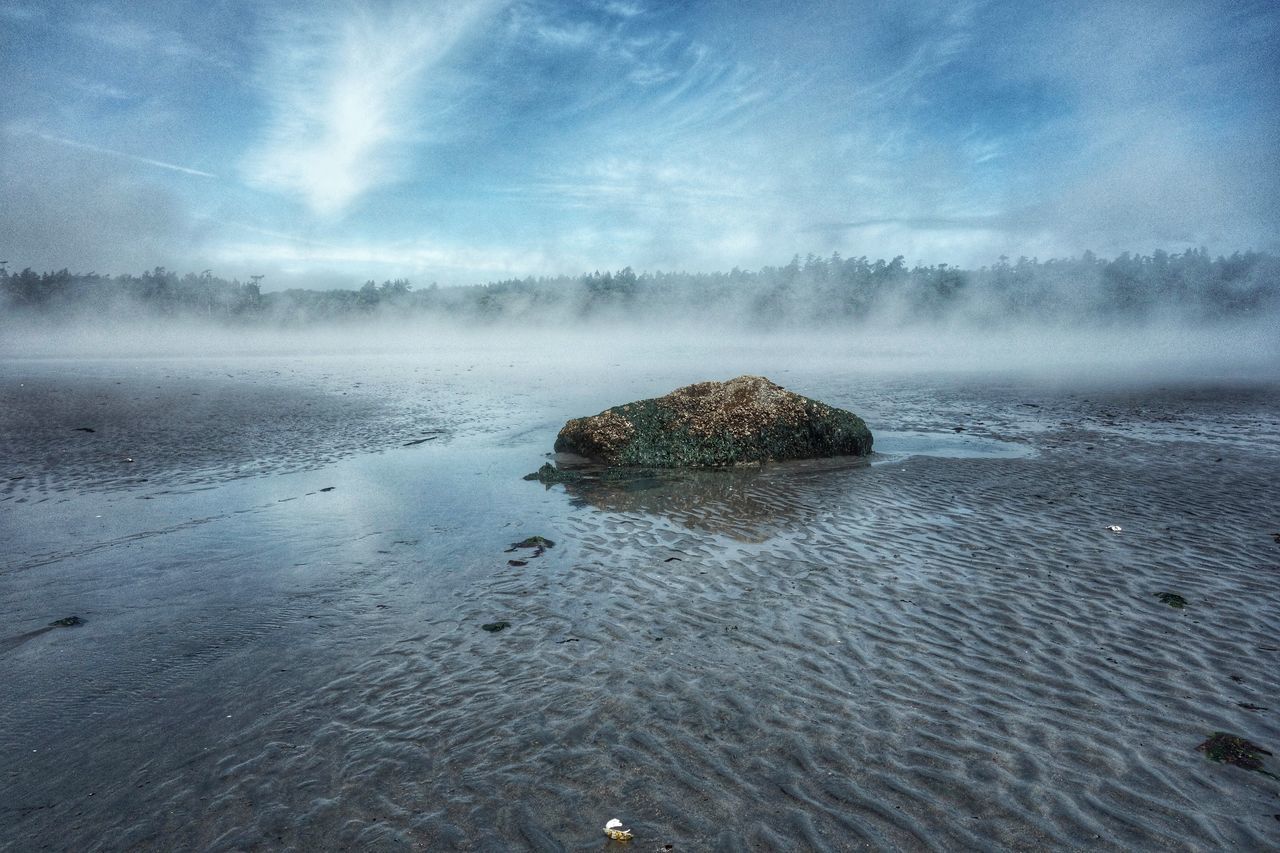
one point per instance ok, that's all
(944, 649)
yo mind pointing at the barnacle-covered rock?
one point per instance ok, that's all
(744, 420)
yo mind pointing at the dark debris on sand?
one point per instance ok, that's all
(550, 475)
(1172, 599)
(537, 542)
(495, 627)
(621, 476)
(1233, 749)
(67, 622)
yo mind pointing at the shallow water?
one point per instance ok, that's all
(283, 594)
(896, 446)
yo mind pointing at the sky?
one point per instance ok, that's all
(325, 143)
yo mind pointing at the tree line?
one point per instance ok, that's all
(815, 290)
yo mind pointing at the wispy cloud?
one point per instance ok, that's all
(97, 149)
(419, 260)
(100, 89)
(20, 12)
(621, 8)
(105, 26)
(342, 89)
(622, 183)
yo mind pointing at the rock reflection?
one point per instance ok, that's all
(745, 503)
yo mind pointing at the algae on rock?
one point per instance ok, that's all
(745, 420)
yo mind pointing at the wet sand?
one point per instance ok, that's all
(943, 649)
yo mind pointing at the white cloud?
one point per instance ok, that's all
(342, 90)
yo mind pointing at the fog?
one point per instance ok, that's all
(1152, 353)
(1154, 318)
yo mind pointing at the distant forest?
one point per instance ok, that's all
(833, 290)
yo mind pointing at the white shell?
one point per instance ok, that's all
(1114, 528)
(613, 824)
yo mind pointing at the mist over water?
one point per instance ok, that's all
(1147, 353)
(1129, 319)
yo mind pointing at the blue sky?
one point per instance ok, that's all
(325, 143)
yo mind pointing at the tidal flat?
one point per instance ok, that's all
(287, 569)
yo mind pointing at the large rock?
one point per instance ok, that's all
(748, 419)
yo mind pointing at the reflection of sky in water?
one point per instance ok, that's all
(894, 446)
(444, 512)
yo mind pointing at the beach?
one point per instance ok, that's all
(285, 567)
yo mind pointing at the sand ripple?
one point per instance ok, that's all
(933, 654)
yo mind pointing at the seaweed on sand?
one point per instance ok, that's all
(1233, 749)
(625, 478)
(536, 542)
(550, 475)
